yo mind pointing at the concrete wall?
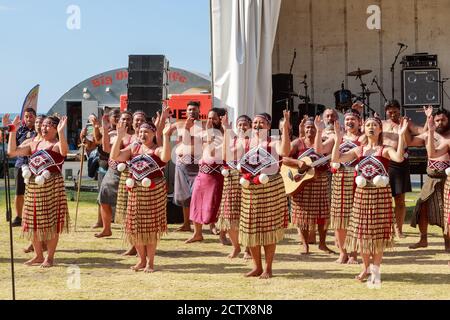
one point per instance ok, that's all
(332, 39)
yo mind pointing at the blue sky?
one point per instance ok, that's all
(37, 47)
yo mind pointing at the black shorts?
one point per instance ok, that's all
(20, 184)
(399, 177)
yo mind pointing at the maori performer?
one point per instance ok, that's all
(108, 193)
(146, 217)
(371, 223)
(311, 206)
(399, 173)
(186, 167)
(45, 213)
(429, 209)
(24, 132)
(264, 214)
(208, 185)
(108, 125)
(433, 152)
(342, 185)
(230, 207)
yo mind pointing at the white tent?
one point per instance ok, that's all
(243, 35)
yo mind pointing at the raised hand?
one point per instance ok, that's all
(318, 123)
(16, 121)
(165, 114)
(286, 123)
(121, 129)
(428, 110)
(105, 122)
(93, 120)
(62, 124)
(169, 129)
(225, 122)
(5, 119)
(403, 126)
(358, 107)
(337, 132)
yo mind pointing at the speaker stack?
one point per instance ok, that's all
(420, 87)
(147, 83)
(282, 87)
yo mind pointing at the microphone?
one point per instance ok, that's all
(402, 44)
(295, 53)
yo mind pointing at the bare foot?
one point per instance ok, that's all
(247, 256)
(420, 244)
(130, 252)
(224, 241)
(28, 249)
(35, 261)
(352, 260)
(47, 264)
(234, 253)
(363, 276)
(343, 258)
(138, 267)
(103, 234)
(213, 229)
(184, 228)
(97, 225)
(149, 269)
(194, 239)
(325, 249)
(266, 275)
(254, 273)
(305, 250)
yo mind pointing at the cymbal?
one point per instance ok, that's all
(358, 73)
(293, 94)
(368, 92)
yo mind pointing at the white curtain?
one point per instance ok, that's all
(243, 34)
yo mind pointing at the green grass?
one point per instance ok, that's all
(202, 271)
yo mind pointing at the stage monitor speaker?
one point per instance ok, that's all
(282, 84)
(416, 114)
(420, 87)
(147, 83)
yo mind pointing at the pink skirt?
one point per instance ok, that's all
(206, 197)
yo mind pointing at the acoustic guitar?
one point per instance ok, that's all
(294, 180)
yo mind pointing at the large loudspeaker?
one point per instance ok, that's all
(147, 83)
(282, 84)
(421, 87)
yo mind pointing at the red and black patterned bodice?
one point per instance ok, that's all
(210, 167)
(347, 145)
(304, 151)
(259, 159)
(147, 165)
(45, 159)
(371, 166)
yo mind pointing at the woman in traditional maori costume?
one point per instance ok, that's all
(370, 229)
(45, 213)
(146, 217)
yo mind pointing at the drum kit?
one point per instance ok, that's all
(344, 98)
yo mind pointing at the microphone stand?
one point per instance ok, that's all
(379, 89)
(393, 70)
(8, 208)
